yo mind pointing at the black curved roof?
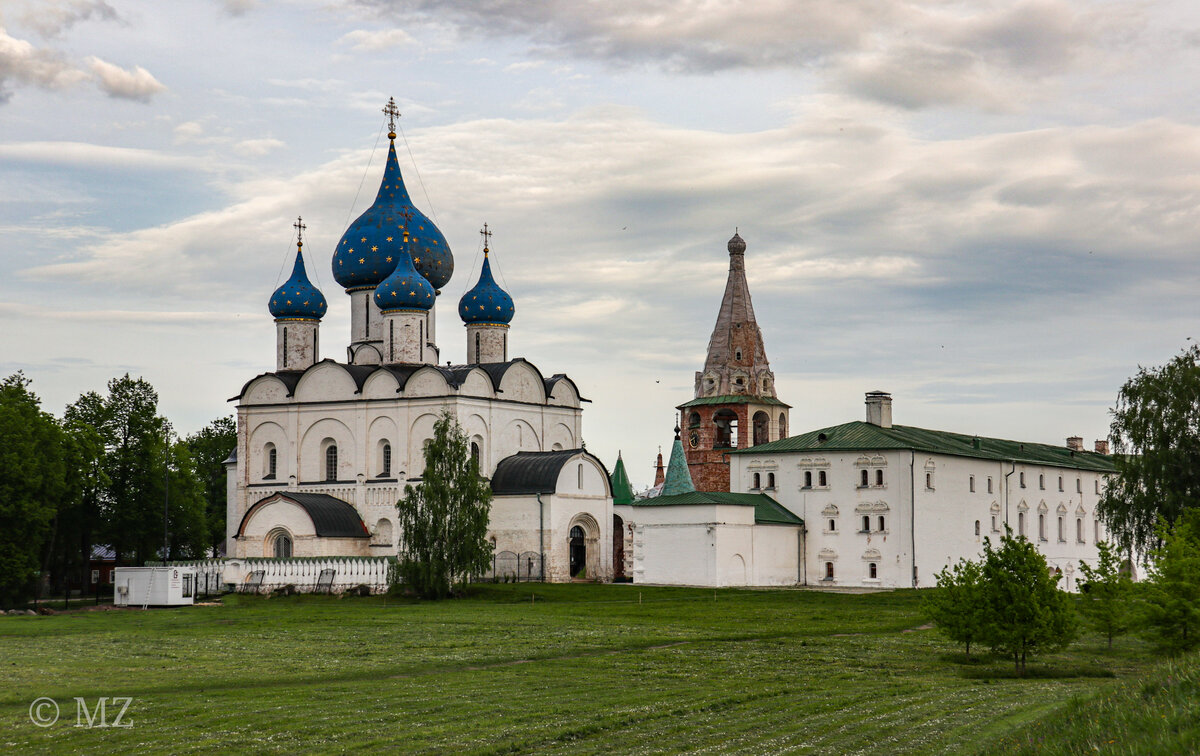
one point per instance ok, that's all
(534, 472)
(331, 517)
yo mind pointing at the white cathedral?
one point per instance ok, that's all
(325, 448)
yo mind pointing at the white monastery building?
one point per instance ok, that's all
(867, 504)
(325, 447)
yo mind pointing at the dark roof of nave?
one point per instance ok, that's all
(767, 511)
(862, 436)
(455, 375)
(331, 517)
(535, 472)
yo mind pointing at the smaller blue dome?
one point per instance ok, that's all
(405, 288)
(298, 299)
(487, 302)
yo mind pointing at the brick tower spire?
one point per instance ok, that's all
(735, 404)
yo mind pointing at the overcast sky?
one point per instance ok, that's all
(989, 209)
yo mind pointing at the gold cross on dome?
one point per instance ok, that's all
(392, 112)
(487, 235)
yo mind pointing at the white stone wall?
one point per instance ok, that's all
(297, 344)
(492, 343)
(927, 527)
(405, 338)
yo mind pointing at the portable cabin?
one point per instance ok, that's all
(154, 586)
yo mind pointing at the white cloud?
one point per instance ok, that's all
(238, 7)
(22, 63)
(136, 84)
(363, 40)
(257, 147)
(189, 131)
(82, 154)
(52, 17)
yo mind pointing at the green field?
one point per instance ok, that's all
(583, 669)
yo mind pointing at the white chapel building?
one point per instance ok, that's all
(325, 448)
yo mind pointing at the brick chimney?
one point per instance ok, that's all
(1101, 446)
(879, 408)
(1075, 443)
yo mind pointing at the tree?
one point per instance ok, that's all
(1107, 593)
(956, 605)
(32, 482)
(1156, 438)
(1172, 606)
(187, 521)
(78, 519)
(443, 520)
(1025, 612)
(210, 447)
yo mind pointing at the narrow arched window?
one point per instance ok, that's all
(929, 480)
(977, 528)
(1060, 482)
(882, 524)
(477, 358)
(832, 524)
(272, 462)
(1079, 529)
(757, 481)
(829, 570)
(808, 478)
(1042, 527)
(771, 480)
(879, 477)
(331, 462)
(387, 460)
(1020, 523)
(579, 472)
(872, 571)
(1041, 482)
(866, 524)
(1061, 535)
(782, 425)
(1022, 479)
(994, 528)
(475, 452)
(822, 479)
(282, 546)
(863, 478)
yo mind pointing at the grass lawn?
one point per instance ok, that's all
(583, 669)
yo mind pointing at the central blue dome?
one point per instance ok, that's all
(367, 253)
(486, 302)
(405, 288)
(298, 299)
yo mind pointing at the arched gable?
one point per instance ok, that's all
(264, 433)
(266, 389)
(562, 392)
(381, 384)
(427, 381)
(519, 435)
(311, 456)
(326, 381)
(562, 436)
(420, 431)
(383, 430)
(523, 383)
(478, 383)
(583, 475)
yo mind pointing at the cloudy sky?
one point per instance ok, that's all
(989, 209)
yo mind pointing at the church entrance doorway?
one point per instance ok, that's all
(578, 553)
(618, 548)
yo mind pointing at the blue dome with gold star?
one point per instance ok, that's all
(486, 302)
(367, 253)
(298, 299)
(405, 288)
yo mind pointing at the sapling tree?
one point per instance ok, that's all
(956, 606)
(1106, 595)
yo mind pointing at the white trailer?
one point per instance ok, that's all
(154, 586)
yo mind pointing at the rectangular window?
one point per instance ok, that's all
(1060, 484)
(1079, 485)
(994, 528)
(1041, 482)
(1022, 480)
(971, 483)
(989, 484)
(1097, 486)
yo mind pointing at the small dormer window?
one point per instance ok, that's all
(737, 355)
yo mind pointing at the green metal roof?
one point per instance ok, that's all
(622, 489)
(679, 478)
(863, 436)
(767, 511)
(733, 399)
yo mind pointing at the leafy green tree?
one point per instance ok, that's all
(956, 606)
(210, 447)
(443, 520)
(1172, 592)
(136, 450)
(78, 519)
(32, 483)
(1156, 440)
(1106, 598)
(187, 520)
(1025, 612)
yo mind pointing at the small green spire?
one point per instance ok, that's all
(679, 480)
(621, 487)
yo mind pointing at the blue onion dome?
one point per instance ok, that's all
(487, 302)
(405, 288)
(367, 253)
(298, 299)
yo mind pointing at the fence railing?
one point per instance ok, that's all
(301, 573)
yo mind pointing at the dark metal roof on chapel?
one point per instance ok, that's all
(534, 472)
(331, 517)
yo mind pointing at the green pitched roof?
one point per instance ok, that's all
(621, 487)
(863, 436)
(678, 480)
(732, 399)
(767, 511)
